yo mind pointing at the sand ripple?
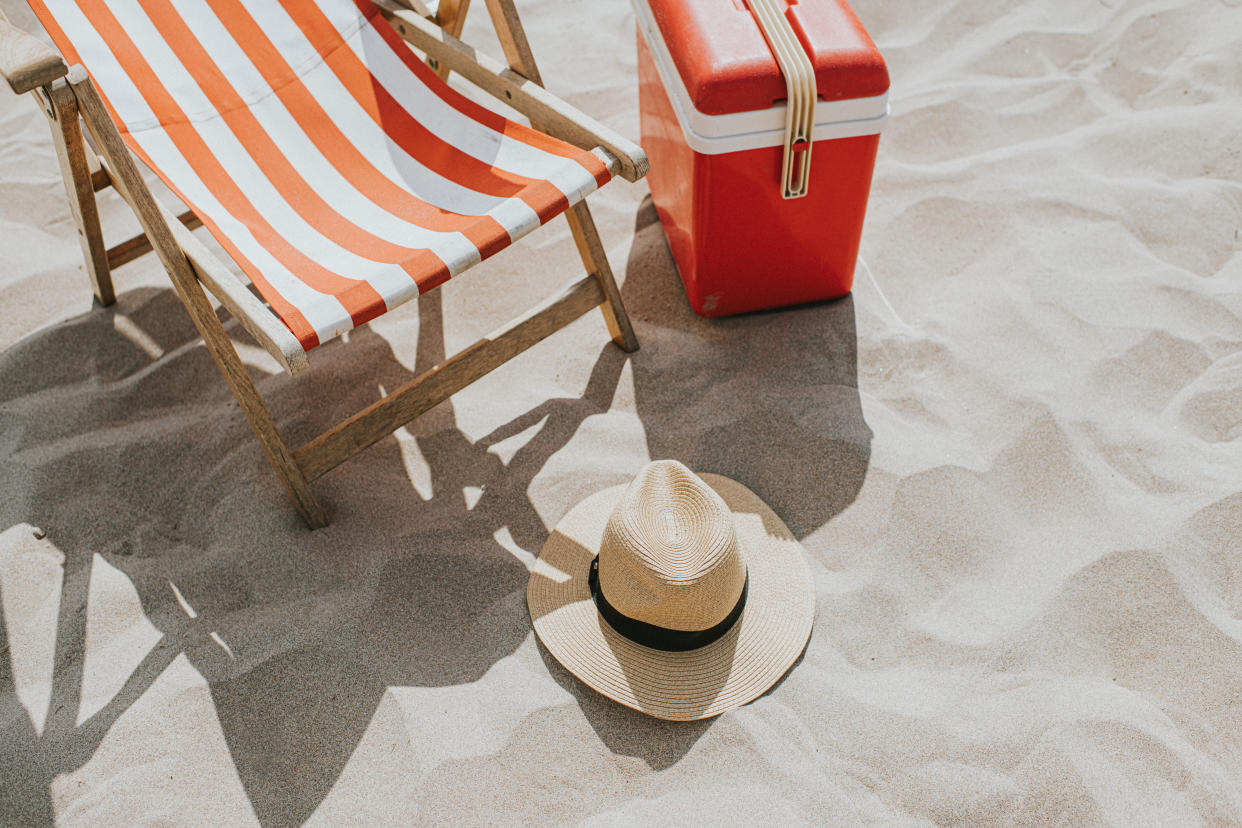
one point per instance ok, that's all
(1014, 457)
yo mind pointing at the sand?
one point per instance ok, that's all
(1014, 457)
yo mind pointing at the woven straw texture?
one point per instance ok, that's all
(682, 686)
(669, 554)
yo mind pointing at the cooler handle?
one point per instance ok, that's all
(800, 87)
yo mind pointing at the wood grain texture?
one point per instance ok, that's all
(71, 152)
(98, 175)
(100, 179)
(555, 116)
(513, 41)
(591, 250)
(451, 17)
(429, 389)
(26, 62)
(129, 183)
(140, 245)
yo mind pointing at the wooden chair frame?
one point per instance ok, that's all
(69, 100)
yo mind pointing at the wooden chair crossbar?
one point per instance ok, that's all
(70, 101)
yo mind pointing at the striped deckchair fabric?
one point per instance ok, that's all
(337, 170)
(341, 174)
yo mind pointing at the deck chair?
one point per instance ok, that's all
(336, 167)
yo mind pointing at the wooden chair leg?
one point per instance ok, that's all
(591, 249)
(521, 59)
(451, 15)
(252, 405)
(512, 37)
(62, 110)
(129, 183)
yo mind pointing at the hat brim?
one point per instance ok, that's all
(682, 686)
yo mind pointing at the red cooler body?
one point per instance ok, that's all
(713, 103)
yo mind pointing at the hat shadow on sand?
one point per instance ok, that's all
(769, 399)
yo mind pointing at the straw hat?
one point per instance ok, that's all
(677, 595)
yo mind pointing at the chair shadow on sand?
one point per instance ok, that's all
(122, 391)
(110, 396)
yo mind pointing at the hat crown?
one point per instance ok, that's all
(669, 555)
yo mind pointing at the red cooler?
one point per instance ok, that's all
(761, 119)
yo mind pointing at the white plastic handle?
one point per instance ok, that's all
(801, 91)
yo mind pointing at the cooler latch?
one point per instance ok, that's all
(801, 91)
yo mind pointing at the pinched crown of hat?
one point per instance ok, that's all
(669, 556)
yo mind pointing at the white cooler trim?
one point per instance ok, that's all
(718, 134)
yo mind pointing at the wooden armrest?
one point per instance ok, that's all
(550, 113)
(25, 62)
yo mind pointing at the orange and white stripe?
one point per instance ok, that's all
(339, 172)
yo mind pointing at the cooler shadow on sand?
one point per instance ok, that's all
(120, 414)
(768, 399)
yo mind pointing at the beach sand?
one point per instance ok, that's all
(1014, 457)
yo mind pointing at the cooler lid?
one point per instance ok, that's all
(726, 66)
